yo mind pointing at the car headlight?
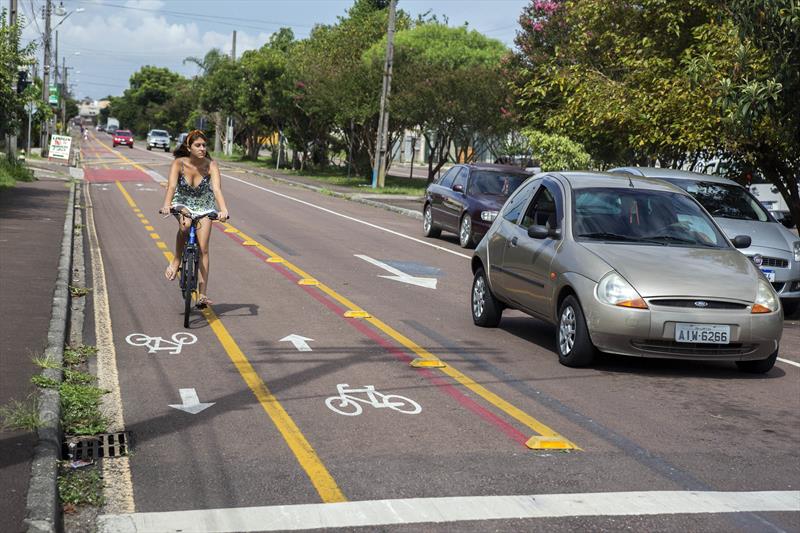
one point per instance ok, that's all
(613, 289)
(489, 216)
(796, 251)
(766, 299)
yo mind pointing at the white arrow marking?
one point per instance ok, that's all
(191, 403)
(299, 342)
(399, 275)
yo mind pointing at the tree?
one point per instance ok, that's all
(449, 83)
(12, 59)
(556, 152)
(149, 102)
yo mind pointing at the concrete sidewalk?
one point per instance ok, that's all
(31, 230)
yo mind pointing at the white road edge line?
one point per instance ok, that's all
(118, 486)
(782, 360)
(451, 509)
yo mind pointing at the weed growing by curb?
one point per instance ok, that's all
(78, 354)
(80, 487)
(45, 361)
(21, 415)
(44, 382)
(80, 409)
(76, 292)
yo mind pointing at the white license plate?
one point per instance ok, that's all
(703, 333)
(770, 274)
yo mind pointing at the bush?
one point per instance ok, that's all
(556, 152)
(10, 173)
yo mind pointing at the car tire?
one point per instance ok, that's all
(486, 309)
(759, 366)
(166, 148)
(114, 145)
(130, 146)
(429, 229)
(465, 235)
(575, 348)
(149, 147)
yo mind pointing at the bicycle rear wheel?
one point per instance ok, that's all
(188, 282)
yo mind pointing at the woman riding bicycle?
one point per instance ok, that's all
(194, 188)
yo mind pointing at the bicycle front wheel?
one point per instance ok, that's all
(188, 283)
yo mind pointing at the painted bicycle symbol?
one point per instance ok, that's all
(347, 404)
(155, 344)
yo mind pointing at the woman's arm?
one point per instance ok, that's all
(216, 186)
(172, 184)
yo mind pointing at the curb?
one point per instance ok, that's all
(42, 512)
(337, 194)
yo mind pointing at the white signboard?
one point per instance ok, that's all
(59, 147)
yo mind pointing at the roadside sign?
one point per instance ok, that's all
(53, 95)
(60, 146)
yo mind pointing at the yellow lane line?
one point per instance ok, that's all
(309, 460)
(135, 165)
(128, 197)
(554, 439)
(320, 477)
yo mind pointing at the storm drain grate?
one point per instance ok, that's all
(93, 447)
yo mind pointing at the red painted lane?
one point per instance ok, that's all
(398, 352)
(105, 175)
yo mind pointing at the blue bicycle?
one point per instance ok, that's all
(190, 261)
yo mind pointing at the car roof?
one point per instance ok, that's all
(587, 179)
(122, 132)
(671, 173)
(495, 167)
(158, 131)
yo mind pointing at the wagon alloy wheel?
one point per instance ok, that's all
(428, 229)
(575, 347)
(486, 309)
(465, 233)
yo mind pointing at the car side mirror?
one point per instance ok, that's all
(543, 232)
(741, 241)
(458, 187)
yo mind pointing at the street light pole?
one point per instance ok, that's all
(379, 167)
(46, 76)
(11, 140)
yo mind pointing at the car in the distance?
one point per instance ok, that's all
(122, 137)
(625, 265)
(158, 139)
(181, 138)
(465, 200)
(774, 248)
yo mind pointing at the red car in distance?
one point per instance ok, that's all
(122, 137)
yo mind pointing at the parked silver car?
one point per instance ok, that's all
(158, 139)
(774, 249)
(625, 265)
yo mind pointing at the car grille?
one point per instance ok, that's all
(711, 304)
(683, 348)
(778, 285)
(772, 262)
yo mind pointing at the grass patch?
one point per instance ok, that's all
(11, 173)
(80, 487)
(44, 382)
(43, 361)
(75, 355)
(80, 409)
(358, 184)
(20, 415)
(77, 292)
(78, 378)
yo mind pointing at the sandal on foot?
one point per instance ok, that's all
(172, 272)
(203, 302)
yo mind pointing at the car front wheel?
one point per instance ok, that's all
(486, 309)
(575, 348)
(760, 366)
(149, 147)
(428, 228)
(465, 236)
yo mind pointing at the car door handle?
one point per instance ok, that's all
(513, 242)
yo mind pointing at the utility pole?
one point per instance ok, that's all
(11, 140)
(229, 128)
(46, 76)
(63, 94)
(379, 168)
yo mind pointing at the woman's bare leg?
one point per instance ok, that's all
(203, 238)
(180, 241)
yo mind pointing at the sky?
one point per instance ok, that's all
(109, 40)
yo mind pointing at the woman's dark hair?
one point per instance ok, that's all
(182, 150)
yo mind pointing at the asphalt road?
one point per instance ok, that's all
(652, 430)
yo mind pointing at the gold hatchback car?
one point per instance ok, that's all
(625, 265)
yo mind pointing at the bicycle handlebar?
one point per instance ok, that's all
(212, 215)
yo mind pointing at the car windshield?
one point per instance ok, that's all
(643, 216)
(122, 133)
(724, 200)
(495, 183)
(158, 133)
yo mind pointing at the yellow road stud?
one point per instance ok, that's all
(427, 363)
(538, 442)
(231, 230)
(357, 314)
(276, 260)
(308, 281)
(249, 243)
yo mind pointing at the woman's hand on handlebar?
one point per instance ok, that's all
(222, 216)
(166, 210)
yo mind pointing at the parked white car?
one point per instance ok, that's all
(158, 139)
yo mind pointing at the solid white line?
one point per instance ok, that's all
(454, 509)
(782, 360)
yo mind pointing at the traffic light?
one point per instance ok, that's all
(22, 81)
